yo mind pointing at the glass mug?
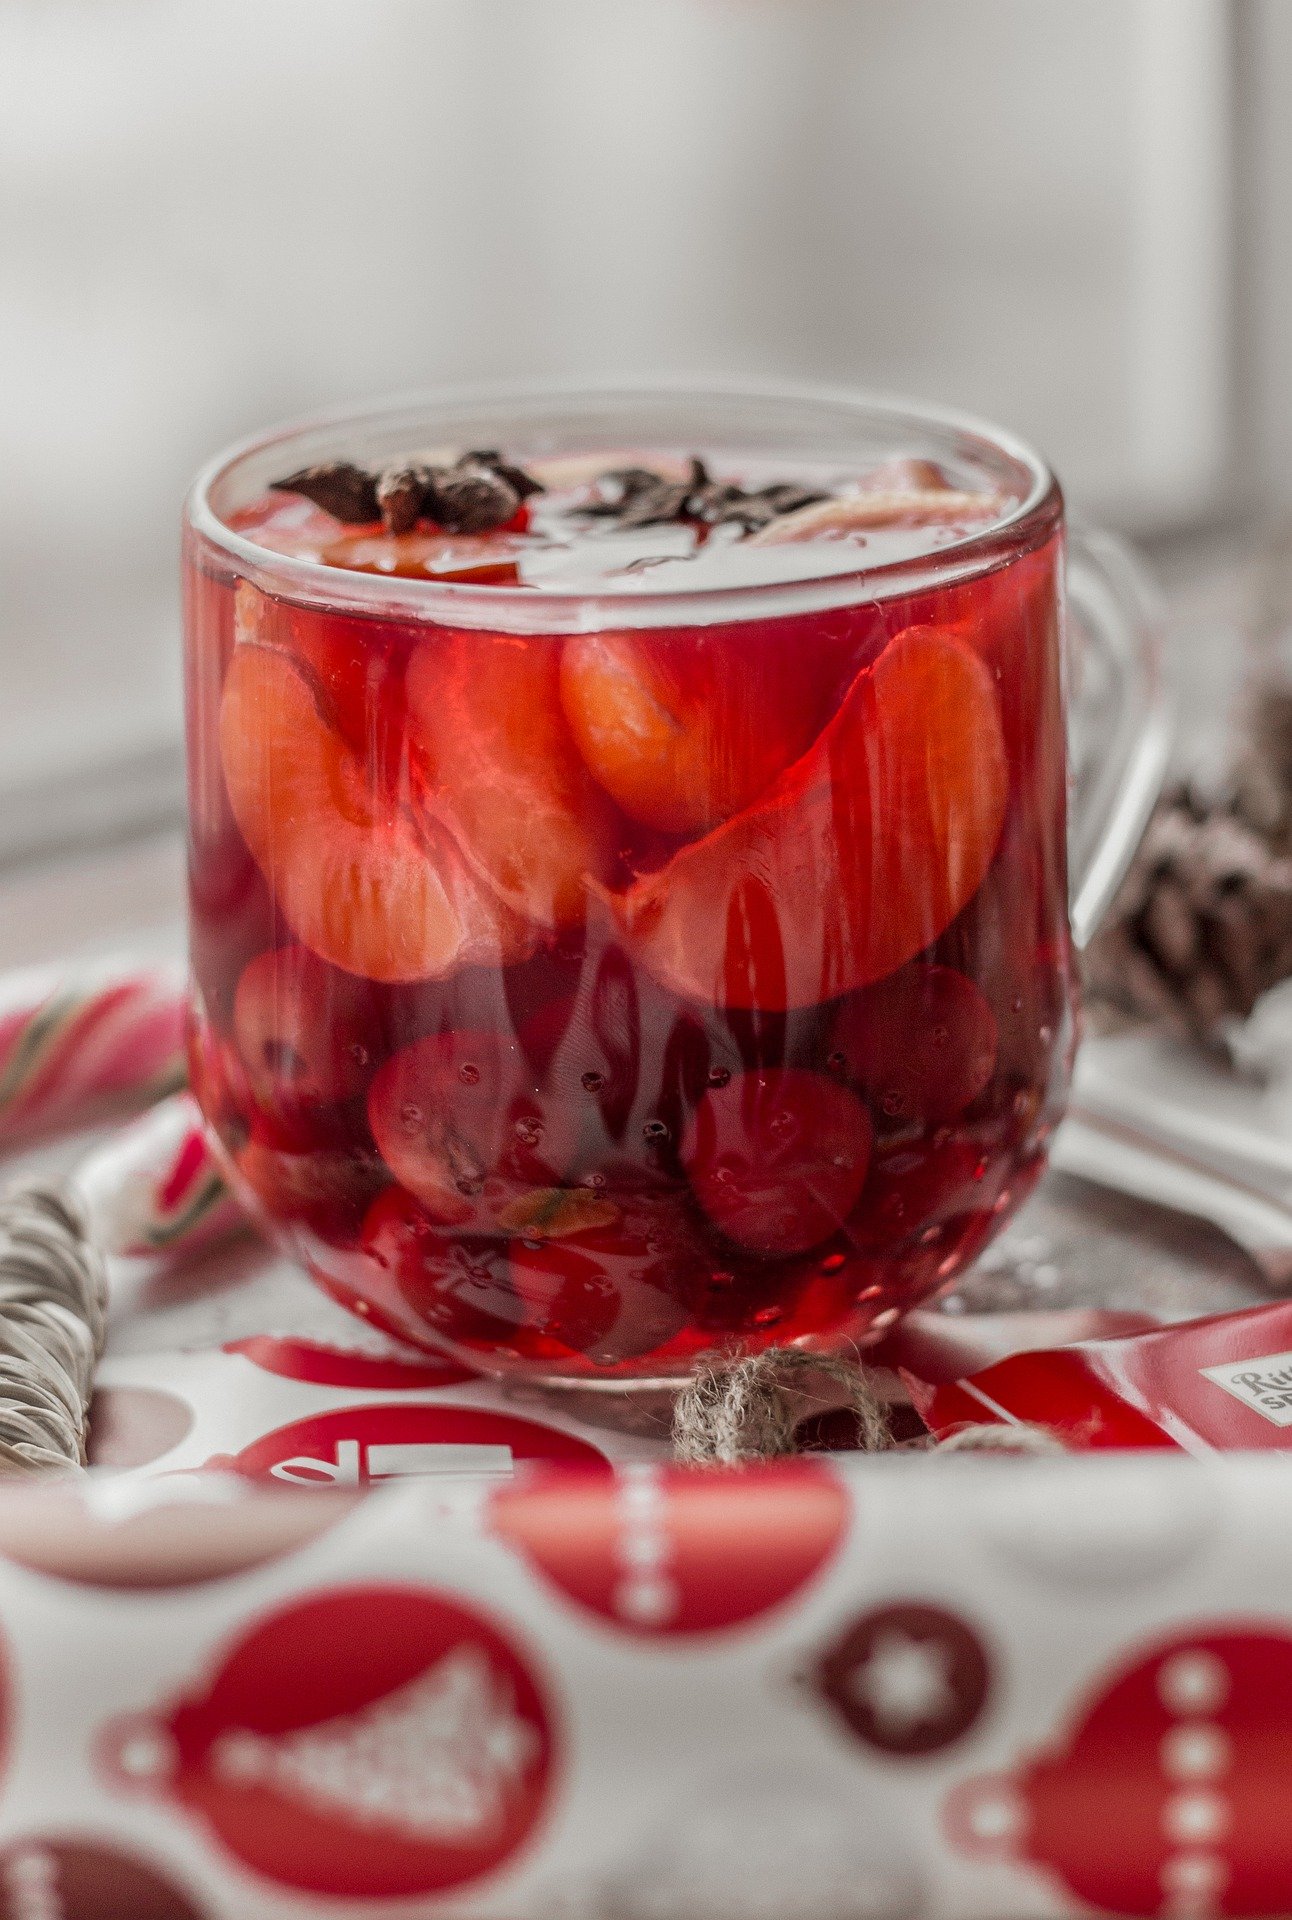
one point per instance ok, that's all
(580, 1050)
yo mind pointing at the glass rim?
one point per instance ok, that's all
(1024, 525)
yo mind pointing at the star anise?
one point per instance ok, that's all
(522, 484)
(472, 496)
(477, 493)
(641, 497)
(345, 491)
(402, 494)
(723, 504)
(638, 497)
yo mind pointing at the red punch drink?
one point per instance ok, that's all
(629, 912)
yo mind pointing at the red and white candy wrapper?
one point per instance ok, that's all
(868, 1689)
(939, 1347)
(153, 1189)
(1224, 1382)
(77, 1040)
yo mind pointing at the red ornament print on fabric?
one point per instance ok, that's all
(369, 1743)
(1168, 1792)
(671, 1550)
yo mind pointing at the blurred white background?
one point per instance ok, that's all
(213, 215)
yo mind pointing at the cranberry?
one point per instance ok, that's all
(778, 1159)
(917, 1187)
(326, 1188)
(469, 1292)
(306, 1034)
(617, 1291)
(922, 1043)
(458, 1128)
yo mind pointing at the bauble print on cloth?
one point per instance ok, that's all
(661, 1550)
(908, 1679)
(72, 1878)
(321, 1364)
(1168, 1790)
(369, 1445)
(371, 1742)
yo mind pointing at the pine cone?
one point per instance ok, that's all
(1202, 926)
(1263, 776)
(1263, 757)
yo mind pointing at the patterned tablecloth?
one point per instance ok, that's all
(340, 1628)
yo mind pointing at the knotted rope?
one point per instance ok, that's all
(736, 1411)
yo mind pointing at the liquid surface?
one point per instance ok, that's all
(894, 511)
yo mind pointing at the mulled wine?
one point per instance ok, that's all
(629, 912)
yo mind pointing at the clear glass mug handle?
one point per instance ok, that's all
(1119, 718)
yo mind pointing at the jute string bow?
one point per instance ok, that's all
(733, 1412)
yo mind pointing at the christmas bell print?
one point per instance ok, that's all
(662, 1550)
(368, 1743)
(1169, 1792)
